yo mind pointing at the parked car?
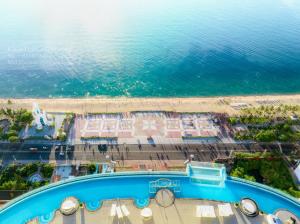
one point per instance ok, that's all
(33, 149)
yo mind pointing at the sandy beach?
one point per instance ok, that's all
(230, 104)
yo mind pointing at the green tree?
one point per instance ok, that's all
(47, 170)
(283, 137)
(238, 172)
(233, 120)
(28, 169)
(250, 178)
(11, 133)
(91, 168)
(26, 117)
(266, 136)
(13, 139)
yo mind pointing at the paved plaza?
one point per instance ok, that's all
(146, 127)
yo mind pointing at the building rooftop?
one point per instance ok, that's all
(183, 211)
(173, 197)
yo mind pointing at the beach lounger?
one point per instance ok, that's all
(225, 210)
(119, 212)
(125, 210)
(207, 211)
(113, 210)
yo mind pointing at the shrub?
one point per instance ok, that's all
(47, 170)
(265, 136)
(293, 192)
(18, 120)
(250, 178)
(233, 120)
(12, 133)
(62, 136)
(265, 168)
(15, 177)
(238, 172)
(92, 168)
(28, 169)
(13, 139)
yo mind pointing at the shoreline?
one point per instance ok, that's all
(218, 104)
(153, 97)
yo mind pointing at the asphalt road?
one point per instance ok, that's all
(10, 153)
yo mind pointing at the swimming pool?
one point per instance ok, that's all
(96, 188)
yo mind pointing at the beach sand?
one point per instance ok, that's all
(227, 104)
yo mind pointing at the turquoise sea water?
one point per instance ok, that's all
(165, 48)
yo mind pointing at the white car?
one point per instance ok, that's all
(33, 149)
(272, 219)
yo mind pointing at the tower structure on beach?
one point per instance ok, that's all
(40, 117)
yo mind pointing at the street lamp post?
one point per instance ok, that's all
(14, 159)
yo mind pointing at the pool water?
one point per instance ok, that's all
(93, 205)
(210, 172)
(93, 188)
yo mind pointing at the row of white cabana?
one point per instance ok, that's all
(208, 211)
(205, 211)
(121, 210)
(70, 205)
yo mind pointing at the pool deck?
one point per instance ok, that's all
(183, 211)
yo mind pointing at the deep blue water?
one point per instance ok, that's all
(165, 48)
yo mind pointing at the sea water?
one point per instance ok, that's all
(144, 48)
